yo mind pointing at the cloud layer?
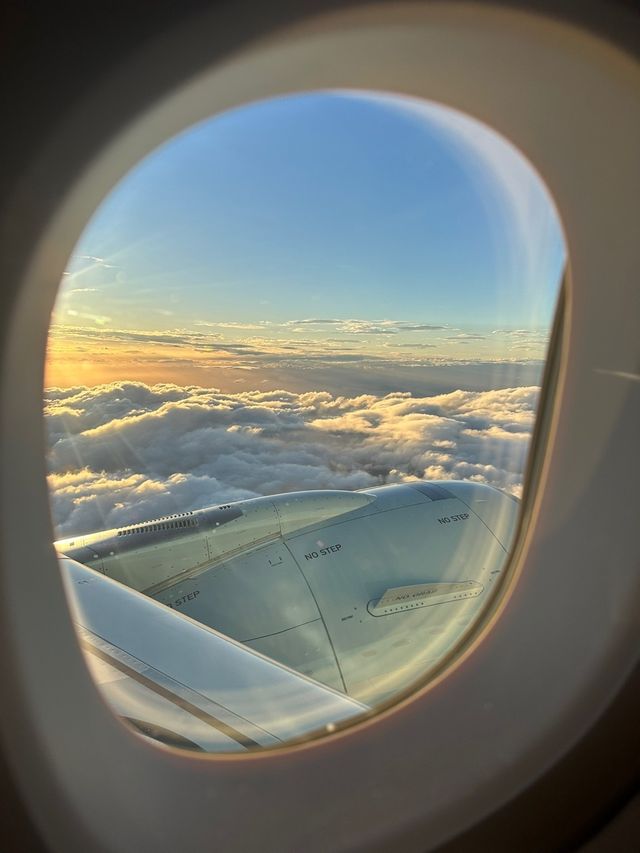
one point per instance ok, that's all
(127, 451)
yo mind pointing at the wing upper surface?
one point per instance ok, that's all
(182, 682)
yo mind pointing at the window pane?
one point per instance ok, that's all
(293, 372)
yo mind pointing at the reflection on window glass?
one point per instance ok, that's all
(292, 376)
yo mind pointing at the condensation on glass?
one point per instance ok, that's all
(292, 377)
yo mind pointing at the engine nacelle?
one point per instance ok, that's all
(363, 591)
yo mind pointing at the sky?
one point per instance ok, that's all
(329, 290)
(352, 242)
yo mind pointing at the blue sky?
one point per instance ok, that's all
(380, 212)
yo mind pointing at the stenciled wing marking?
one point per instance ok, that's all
(181, 682)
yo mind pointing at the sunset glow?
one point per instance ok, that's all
(354, 287)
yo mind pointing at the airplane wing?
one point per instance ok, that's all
(362, 592)
(184, 684)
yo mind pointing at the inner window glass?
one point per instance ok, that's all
(293, 371)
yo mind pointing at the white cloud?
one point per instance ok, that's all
(360, 326)
(127, 451)
(394, 345)
(384, 327)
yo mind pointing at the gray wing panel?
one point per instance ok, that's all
(162, 668)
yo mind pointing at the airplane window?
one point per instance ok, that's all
(292, 376)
